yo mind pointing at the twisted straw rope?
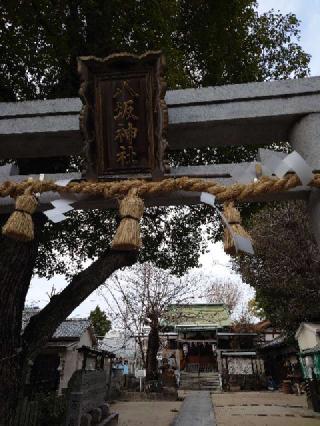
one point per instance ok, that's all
(235, 192)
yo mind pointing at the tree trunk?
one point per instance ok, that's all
(152, 351)
(16, 265)
(42, 326)
(141, 349)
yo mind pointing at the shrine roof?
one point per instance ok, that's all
(206, 316)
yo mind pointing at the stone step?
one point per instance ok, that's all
(202, 373)
(211, 375)
(192, 381)
(210, 383)
(203, 379)
(198, 378)
(198, 386)
(200, 381)
(213, 379)
(216, 389)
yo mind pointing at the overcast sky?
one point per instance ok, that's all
(216, 262)
(308, 12)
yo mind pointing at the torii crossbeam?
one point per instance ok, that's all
(253, 113)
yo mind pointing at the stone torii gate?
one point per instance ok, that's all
(253, 113)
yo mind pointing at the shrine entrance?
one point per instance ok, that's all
(201, 357)
(127, 124)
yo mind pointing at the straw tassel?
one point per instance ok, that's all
(234, 219)
(128, 237)
(19, 226)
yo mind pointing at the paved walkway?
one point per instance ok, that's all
(263, 409)
(228, 409)
(196, 410)
(146, 413)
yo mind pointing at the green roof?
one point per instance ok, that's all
(213, 315)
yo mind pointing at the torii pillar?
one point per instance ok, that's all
(305, 139)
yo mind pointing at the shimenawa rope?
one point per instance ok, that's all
(235, 192)
(130, 192)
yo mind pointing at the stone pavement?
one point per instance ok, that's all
(146, 413)
(263, 409)
(196, 410)
(229, 409)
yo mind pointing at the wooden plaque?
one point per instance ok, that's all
(124, 118)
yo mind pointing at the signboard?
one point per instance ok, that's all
(140, 373)
(124, 117)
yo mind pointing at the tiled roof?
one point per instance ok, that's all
(72, 328)
(117, 342)
(69, 329)
(215, 314)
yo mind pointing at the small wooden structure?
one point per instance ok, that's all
(71, 348)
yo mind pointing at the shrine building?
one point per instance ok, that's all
(204, 345)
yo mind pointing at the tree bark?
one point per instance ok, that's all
(141, 349)
(16, 265)
(152, 351)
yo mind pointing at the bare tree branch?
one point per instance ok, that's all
(226, 292)
(141, 296)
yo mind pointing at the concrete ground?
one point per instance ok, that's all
(263, 409)
(146, 413)
(196, 410)
(230, 409)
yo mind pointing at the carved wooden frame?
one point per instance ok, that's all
(92, 70)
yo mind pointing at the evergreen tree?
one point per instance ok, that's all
(100, 322)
